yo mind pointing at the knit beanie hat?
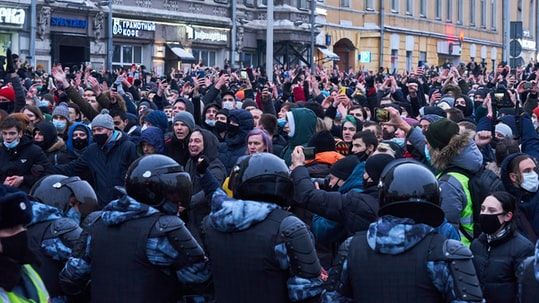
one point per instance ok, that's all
(158, 119)
(322, 142)
(431, 118)
(248, 102)
(15, 209)
(376, 164)
(61, 110)
(343, 168)
(504, 130)
(536, 111)
(440, 133)
(8, 93)
(103, 120)
(186, 118)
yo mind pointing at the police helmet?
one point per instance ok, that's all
(262, 177)
(407, 189)
(57, 190)
(154, 179)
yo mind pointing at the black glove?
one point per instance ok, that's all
(10, 68)
(202, 165)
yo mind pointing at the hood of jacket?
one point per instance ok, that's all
(49, 133)
(154, 136)
(304, 126)
(504, 175)
(211, 144)
(246, 123)
(43, 212)
(59, 145)
(355, 181)
(125, 209)
(392, 236)
(231, 215)
(461, 152)
(69, 143)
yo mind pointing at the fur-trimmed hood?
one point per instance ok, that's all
(461, 151)
(59, 145)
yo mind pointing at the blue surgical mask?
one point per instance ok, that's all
(210, 122)
(400, 141)
(43, 103)
(281, 122)
(12, 144)
(530, 181)
(427, 153)
(59, 125)
(228, 105)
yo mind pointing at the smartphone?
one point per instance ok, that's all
(309, 153)
(382, 115)
(243, 74)
(201, 74)
(342, 91)
(528, 85)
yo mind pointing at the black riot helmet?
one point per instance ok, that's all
(58, 190)
(410, 190)
(262, 177)
(156, 179)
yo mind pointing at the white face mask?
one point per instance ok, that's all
(530, 181)
(228, 105)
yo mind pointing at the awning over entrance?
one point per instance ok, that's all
(181, 52)
(328, 54)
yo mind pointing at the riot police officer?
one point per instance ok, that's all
(259, 252)
(528, 277)
(401, 258)
(52, 235)
(139, 249)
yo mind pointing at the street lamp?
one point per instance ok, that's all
(110, 49)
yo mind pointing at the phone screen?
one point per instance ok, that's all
(382, 114)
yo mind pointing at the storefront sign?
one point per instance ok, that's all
(65, 22)
(10, 15)
(210, 35)
(130, 28)
(365, 57)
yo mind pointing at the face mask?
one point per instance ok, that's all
(281, 122)
(228, 105)
(43, 103)
(362, 156)
(427, 153)
(16, 248)
(220, 127)
(12, 144)
(210, 122)
(79, 143)
(101, 139)
(233, 129)
(39, 88)
(530, 181)
(462, 108)
(59, 125)
(489, 223)
(399, 141)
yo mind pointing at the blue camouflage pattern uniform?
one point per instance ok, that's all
(392, 235)
(159, 251)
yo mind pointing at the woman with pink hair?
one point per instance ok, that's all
(258, 141)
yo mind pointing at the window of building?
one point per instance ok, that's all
(493, 17)
(344, 3)
(423, 57)
(395, 6)
(221, 1)
(302, 4)
(423, 8)
(483, 13)
(531, 18)
(394, 59)
(127, 54)
(449, 12)
(249, 3)
(263, 3)
(409, 63)
(472, 12)
(369, 5)
(247, 59)
(460, 11)
(438, 9)
(409, 7)
(206, 56)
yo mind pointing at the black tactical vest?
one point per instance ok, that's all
(399, 278)
(47, 268)
(121, 271)
(244, 265)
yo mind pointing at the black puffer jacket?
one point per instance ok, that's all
(496, 264)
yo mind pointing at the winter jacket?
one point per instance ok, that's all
(322, 162)
(26, 160)
(461, 152)
(199, 207)
(53, 146)
(304, 128)
(528, 202)
(496, 263)
(154, 137)
(107, 165)
(235, 144)
(177, 149)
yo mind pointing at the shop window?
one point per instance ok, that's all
(127, 54)
(207, 57)
(247, 59)
(5, 43)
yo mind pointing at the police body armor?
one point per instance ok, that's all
(404, 277)
(255, 276)
(529, 285)
(48, 269)
(121, 271)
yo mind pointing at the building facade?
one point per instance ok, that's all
(397, 34)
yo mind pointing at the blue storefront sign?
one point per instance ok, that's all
(65, 22)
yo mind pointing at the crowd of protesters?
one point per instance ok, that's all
(475, 129)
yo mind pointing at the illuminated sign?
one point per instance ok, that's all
(10, 15)
(65, 22)
(130, 28)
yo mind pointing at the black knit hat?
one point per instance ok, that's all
(322, 142)
(376, 164)
(343, 168)
(440, 133)
(15, 209)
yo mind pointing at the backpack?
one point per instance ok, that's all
(480, 184)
